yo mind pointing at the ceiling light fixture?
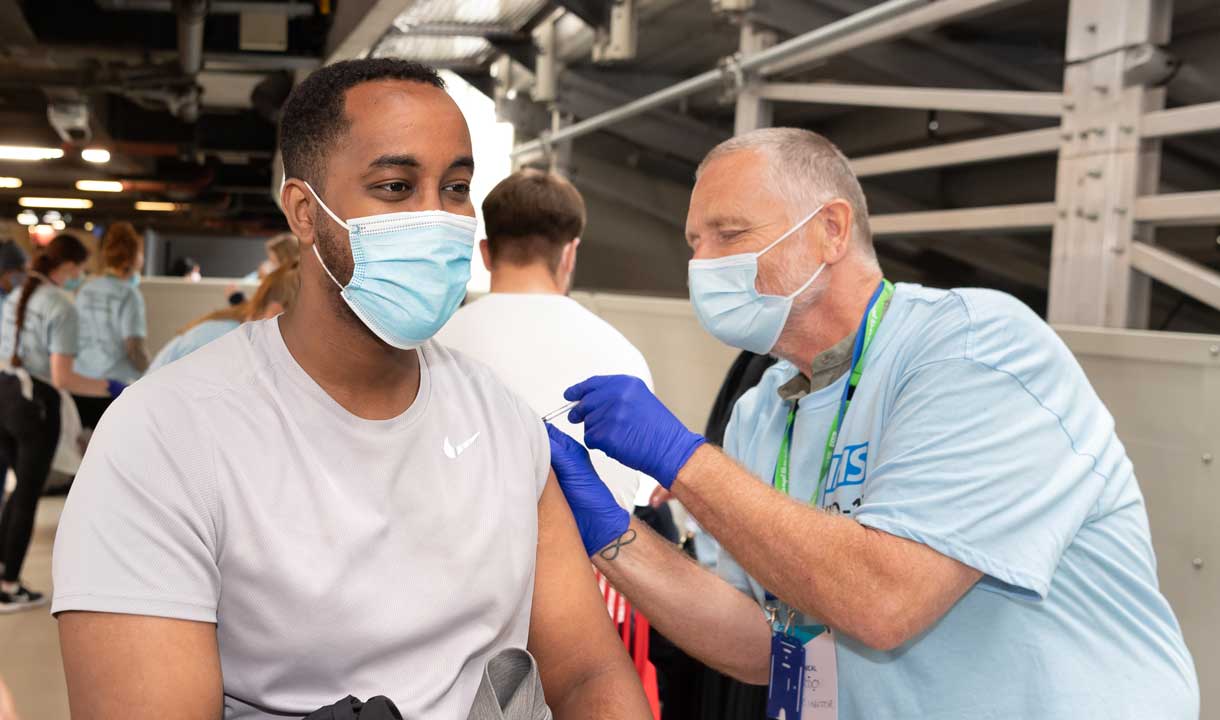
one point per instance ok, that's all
(158, 206)
(110, 186)
(10, 182)
(27, 153)
(51, 202)
(59, 224)
(25, 217)
(95, 155)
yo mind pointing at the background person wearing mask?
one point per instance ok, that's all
(12, 267)
(186, 267)
(275, 295)
(925, 494)
(38, 346)
(113, 320)
(330, 502)
(283, 250)
(538, 340)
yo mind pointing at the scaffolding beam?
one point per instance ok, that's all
(1001, 102)
(1199, 282)
(1181, 121)
(1192, 208)
(1032, 142)
(1026, 216)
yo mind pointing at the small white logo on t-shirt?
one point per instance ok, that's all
(452, 452)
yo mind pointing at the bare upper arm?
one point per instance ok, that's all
(571, 635)
(137, 352)
(927, 584)
(63, 367)
(137, 667)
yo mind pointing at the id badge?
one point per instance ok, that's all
(788, 677)
(820, 687)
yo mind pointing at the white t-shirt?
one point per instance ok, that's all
(336, 555)
(540, 345)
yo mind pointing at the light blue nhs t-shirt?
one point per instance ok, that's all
(50, 327)
(975, 432)
(111, 311)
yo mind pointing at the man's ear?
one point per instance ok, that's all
(835, 222)
(485, 251)
(575, 245)
(298, 209)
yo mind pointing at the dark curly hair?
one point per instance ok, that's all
(314, 117)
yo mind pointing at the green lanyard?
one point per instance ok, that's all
(864, 338)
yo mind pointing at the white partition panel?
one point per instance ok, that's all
(175, 302)
(1164, 392)
(688, 365)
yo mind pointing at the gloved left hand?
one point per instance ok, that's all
(627, 422)
(598, 517)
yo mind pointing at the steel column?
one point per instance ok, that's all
(752, 110)
(1104, 165)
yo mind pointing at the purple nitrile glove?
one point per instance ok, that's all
(598, 517)
(115, 388)
(627, 422)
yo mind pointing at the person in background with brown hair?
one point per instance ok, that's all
(536, 338)
(275, 295)
(283, 250)
(38, 346)
(113, 320)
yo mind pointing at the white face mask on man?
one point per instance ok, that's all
(729, 305)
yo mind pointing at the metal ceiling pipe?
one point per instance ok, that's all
(191, 17)
(715, 78)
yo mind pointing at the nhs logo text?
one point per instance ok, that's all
(847, 468)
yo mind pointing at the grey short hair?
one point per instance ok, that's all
(807, 169)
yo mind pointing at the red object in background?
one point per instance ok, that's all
(633, 627)
(40, 235)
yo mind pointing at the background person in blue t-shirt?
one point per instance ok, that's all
(113, 319)
(38, 346)
(972, 535)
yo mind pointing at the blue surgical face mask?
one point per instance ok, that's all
(729, 306)
(410, 271)
(73, 284)
(134, 280)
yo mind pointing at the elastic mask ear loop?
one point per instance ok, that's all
(342, 224)
(336, 217)
(779, 239)
(808, 282)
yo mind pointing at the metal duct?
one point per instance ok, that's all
(191, 17)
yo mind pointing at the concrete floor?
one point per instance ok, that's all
(29, 641)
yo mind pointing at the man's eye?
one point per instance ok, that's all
(396, 186)
(460, 187)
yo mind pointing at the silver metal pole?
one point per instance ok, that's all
(713, 78)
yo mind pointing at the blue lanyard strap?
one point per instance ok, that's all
(864, 338)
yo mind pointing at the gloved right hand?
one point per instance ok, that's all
(598, 517)
(115, 388)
